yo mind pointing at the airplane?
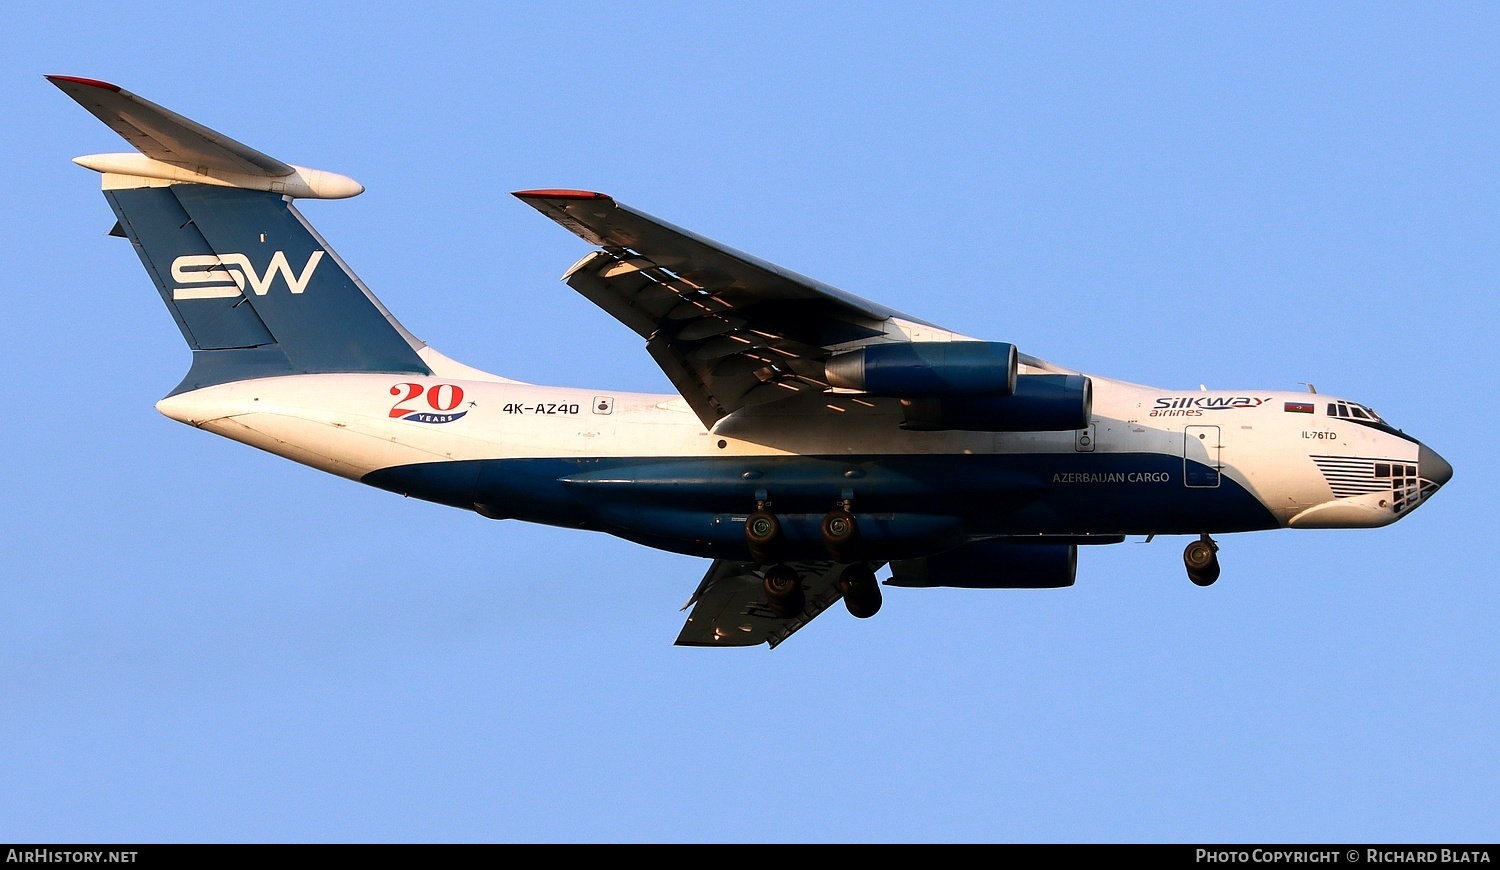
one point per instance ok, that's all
(815, 437)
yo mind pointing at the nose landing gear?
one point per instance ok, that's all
(1201, 558)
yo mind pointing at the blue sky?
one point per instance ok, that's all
(201, 642)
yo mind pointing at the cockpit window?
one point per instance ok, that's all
(1351, 409)
(1365, 416)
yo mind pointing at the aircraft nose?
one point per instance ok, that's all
(1433, 467)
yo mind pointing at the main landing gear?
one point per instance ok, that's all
(783, 585)
(784, 591)
(1202, 561)
(763, 534)
(841, 534)
(861, 590)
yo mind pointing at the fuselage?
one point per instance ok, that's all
(643, 467)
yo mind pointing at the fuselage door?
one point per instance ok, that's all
(1200, 456)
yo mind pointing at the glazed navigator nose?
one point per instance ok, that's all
(1433, 467)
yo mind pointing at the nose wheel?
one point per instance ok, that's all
(1201, 558)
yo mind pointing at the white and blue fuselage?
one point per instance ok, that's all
(643, 467)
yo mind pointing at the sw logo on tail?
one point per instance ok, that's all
(227, 275)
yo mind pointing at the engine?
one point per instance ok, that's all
(927, 368)
(992, 565)
(1039, 403)
(967, 385)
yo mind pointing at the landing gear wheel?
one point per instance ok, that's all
(783, 589)
(763, 534)
(841, 535)
(861, 591)
(1202, 561)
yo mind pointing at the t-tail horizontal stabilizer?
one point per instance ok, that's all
(176, 149)
(253, 287)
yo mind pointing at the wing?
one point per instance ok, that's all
(730, 607)
(730, 331)
(164, 135)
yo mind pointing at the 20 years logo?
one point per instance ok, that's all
(442, 402)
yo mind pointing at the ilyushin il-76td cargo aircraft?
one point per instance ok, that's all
(816, 437)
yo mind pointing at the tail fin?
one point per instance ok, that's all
(253, 287)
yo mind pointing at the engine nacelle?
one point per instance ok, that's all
(927, 368)
(992, 565)
(1040, 403)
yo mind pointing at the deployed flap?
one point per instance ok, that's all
(729, 330)
(164, 135)
(730, 608)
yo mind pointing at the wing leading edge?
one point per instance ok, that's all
(731, 331)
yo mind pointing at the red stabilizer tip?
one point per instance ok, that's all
(559, 194)
(93, 83)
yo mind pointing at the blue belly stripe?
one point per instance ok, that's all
(908, 504)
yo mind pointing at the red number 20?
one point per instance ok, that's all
(435, 398)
